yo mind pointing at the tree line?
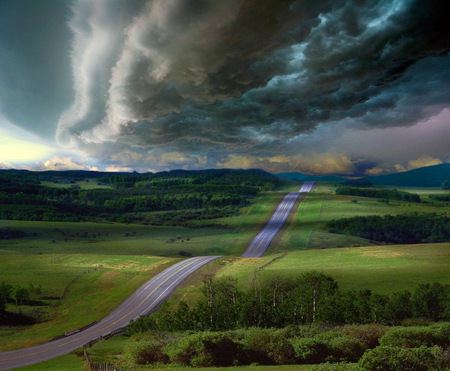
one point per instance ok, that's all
(388, 194)
(279, 302)
(132, 193)
(397, 229)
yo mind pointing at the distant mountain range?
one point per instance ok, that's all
(429, 176)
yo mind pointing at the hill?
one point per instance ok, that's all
(299, 177)
(429, 176)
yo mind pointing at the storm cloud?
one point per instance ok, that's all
(200, 83)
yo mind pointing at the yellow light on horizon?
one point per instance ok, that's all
(18, 150)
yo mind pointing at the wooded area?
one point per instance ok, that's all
(218, 193)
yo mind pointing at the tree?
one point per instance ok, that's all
(445, 184)
(312, 289)
(20, 295)
(5, 294)
(431, 301)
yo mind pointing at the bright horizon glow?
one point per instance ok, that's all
(19, 146)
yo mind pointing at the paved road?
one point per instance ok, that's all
(143, 301)
(148, 297)
(261, 242)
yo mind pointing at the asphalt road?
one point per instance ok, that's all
(143, 301)
(261, 242)
(147, 298)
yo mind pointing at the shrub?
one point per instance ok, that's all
(368, 335)
(346, 348)
(144, 352)
(205, 350)
(413, 337)
(387, 358)
(256, 343)
(310, 350)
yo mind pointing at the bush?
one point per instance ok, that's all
(346, 348)
(256, 343)
(414, 337)
(144, 352)
(387, 358)
(310, 350)
(205, 350)
(368, 335)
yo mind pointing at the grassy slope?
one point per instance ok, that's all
(322, 205)
(111, 238)
(125, 263)
(381, 268)
(89, 298)
(384, 269)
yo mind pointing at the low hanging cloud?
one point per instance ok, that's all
(419, 162)
(315, 164)
(242, 78)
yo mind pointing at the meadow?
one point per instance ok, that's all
(382, 269)
(110, 260)
(77, 289)
(322, 205)
(86, 269)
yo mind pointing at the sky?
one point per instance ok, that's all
(350, 87)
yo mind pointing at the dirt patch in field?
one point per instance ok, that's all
(384, 253)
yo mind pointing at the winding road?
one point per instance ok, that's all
(149, 296)
(143, 301)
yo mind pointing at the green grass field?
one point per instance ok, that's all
(125, 255)
(306, 231)
(90, 294)
(383, 269)
(83, 184)
(130, 253)
(136, 239)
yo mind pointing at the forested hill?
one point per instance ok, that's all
(85, 195)
(429, 176)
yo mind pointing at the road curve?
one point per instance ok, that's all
(147, 298)
(143, 301)
(261, 242)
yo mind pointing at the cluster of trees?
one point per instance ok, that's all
(16, 294)
(374, 347)
(358, 183)
(7, 233)
(398, 229)
(387, 194)
(131, 193)
(278, 302)
(445, 198)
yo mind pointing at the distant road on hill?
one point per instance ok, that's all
(261, 242)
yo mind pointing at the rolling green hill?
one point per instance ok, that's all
(429, 176)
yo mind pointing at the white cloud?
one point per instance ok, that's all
(63, 163)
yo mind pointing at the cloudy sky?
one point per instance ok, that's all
(351, 87)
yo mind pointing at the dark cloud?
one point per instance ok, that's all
(247, 77)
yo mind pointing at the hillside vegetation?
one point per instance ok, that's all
(127, 197)
(429, 176)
